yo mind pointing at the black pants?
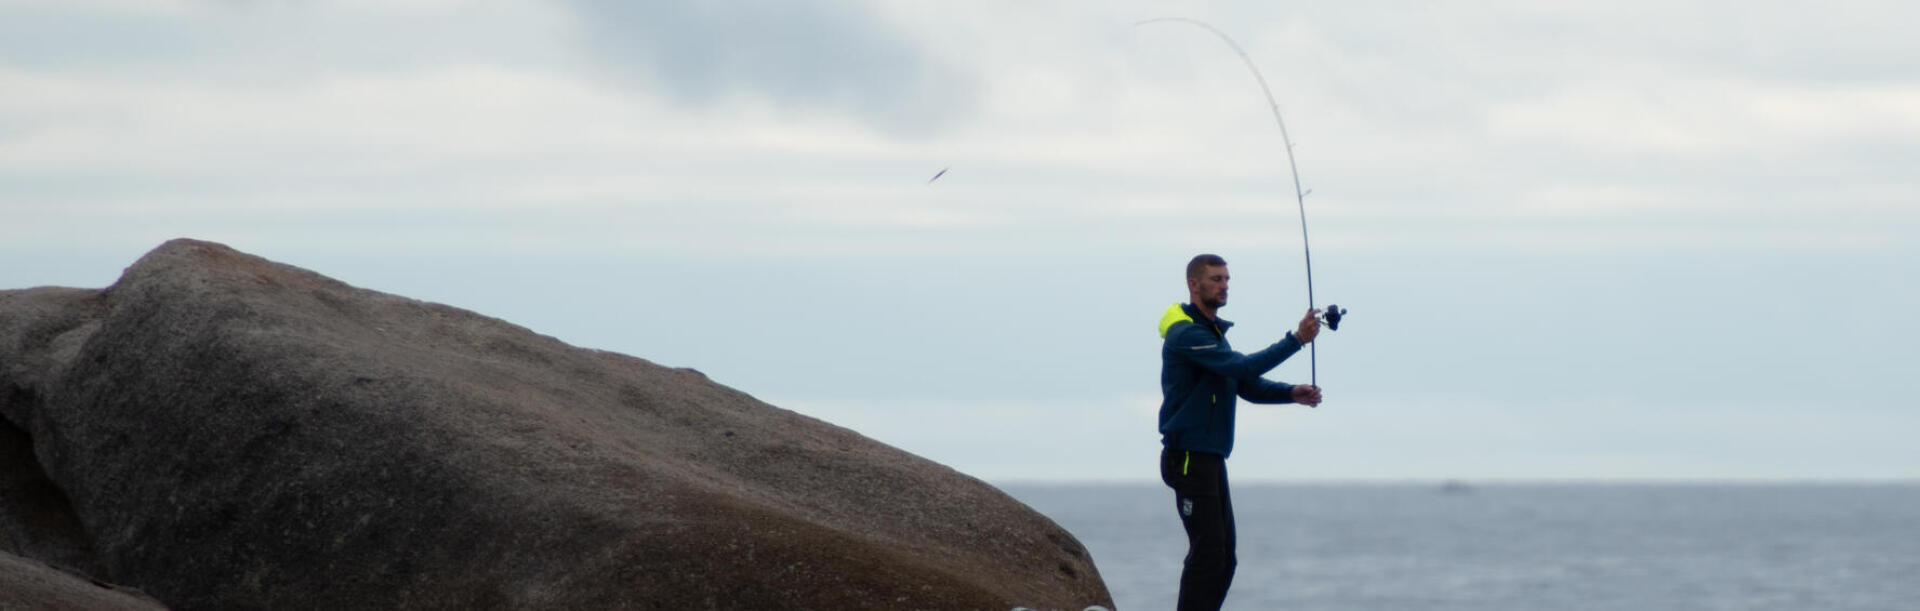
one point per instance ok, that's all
(1199, 482)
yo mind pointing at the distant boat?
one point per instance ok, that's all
(1454, 486)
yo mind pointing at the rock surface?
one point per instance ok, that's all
(221, 431)
(33, 585)
(28, 584)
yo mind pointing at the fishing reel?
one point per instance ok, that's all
(1332, 315)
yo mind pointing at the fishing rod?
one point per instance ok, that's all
(1333, 312)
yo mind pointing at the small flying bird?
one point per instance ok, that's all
(937, 175)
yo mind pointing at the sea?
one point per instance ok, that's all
(1454, 545)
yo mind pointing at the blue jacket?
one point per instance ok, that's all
(1200, 376)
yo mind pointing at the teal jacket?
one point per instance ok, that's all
(1201, 375)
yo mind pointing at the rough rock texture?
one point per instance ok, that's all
(221, 431)
(27, 584)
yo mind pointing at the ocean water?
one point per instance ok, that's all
(1405, 547)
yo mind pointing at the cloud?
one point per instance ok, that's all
(831, 56)
(275, 43)
(736, 129)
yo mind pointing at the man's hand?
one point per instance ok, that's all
(1306, 394)
(1309, 327)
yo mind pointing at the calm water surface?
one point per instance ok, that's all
(1518, 546)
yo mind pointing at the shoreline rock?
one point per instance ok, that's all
(30, 584)
(227, 431)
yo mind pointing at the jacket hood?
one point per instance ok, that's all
(1176, 313)
(1180, 312)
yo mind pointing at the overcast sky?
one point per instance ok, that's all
(1626, 240)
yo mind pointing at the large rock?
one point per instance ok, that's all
(222, 431)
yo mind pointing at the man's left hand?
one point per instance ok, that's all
(1309, 327)
(1306, 394)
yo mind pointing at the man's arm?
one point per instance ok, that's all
(1204, 349)
(1262, 390)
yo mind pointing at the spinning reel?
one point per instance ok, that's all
(1332, 315)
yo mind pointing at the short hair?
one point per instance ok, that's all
(1198, 266)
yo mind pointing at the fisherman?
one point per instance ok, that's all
(1200, 377)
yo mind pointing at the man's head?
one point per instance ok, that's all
(1207, 281)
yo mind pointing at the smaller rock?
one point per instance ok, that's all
(27, 584)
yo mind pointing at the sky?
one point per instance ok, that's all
(1623, 241)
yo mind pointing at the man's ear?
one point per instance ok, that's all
(1193, 285)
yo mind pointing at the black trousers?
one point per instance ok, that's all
(1199, 482)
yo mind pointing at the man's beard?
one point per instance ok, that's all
(1216, 302)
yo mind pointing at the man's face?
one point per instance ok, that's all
(1210, 289)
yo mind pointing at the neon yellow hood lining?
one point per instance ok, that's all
(1175, 314)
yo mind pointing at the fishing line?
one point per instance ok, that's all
(1333, 312)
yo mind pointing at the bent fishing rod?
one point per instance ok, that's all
(1333, 312)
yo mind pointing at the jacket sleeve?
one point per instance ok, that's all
(1206, 350)
(1262, 390)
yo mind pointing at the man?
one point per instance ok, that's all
(1200, 377)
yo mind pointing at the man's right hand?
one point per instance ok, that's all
(1309, 327)
(1306, 394)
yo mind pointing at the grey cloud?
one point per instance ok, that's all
(40, 37)
(256, 41)
(828, 55)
